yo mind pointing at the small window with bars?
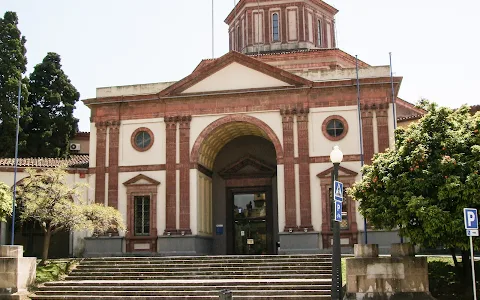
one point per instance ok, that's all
(275, 28)
(142, 215)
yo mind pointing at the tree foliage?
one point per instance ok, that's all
(5, 202)
(424, 183)
(13, 62)
(46, 197)
(52, 100)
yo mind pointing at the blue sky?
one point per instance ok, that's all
(435, 44)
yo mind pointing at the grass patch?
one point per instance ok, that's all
(444, 282)
(54, 270)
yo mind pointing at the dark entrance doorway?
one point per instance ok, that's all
(250, 214)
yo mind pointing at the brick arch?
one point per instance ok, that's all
(214, 126)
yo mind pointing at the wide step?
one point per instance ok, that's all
(248, 277)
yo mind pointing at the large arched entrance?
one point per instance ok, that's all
(237, 200)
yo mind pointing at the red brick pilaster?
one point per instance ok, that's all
(100, 162)
(171, 182)
(367, 130)
(304, 170)
(184, 144)
(289, 169)
(113, 140)
(382, 129)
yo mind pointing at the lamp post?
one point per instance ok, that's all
(336, 157)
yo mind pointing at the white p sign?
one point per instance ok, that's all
(471, 218)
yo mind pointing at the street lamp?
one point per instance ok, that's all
(336, 157)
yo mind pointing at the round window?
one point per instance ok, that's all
(335, 128)
(142, 139)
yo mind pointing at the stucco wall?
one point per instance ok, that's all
(235, 77)
(131, 157)
(320, 145)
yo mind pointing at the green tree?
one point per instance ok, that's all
(423, 184)
(52, 100)
(46, 197)
(13, 62)
(5, 202)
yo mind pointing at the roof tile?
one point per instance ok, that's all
(74, 161)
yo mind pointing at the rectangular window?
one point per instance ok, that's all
(142, 215)
(320, 34)
(276, 36)
(310, 27)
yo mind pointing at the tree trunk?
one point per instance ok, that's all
(466, 265)
(46, 245)
(454, 257)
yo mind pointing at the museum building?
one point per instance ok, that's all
(234, 158)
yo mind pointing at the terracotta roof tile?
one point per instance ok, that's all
(74, 161)
(412, 117)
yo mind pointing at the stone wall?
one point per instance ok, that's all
(400, 276)
(17, 273)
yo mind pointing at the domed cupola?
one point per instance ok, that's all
(266, 25)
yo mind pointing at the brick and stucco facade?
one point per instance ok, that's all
(271, 101)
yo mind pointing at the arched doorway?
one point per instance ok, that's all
(237, 200)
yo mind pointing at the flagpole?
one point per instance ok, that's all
(16, 162)
(394, 112)
(213, 32)
(393, 94)
(360, 131)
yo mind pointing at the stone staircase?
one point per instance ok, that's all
(199, 277)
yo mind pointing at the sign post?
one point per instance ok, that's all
(471, 225)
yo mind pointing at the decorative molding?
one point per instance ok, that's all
(139, 177)
(263, 169)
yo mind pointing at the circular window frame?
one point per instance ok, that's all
(345, 127)
(134, 134)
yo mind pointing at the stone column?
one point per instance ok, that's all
(289, 169)
(382, 128)
(184, 143)
(367, 130)
(304, 170)
(113, 140)
(171, 182)
(100, 162)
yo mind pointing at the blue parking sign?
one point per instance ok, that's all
(338, 211)
(338, 191)
(471, 218)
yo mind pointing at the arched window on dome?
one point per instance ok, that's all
(275, 28)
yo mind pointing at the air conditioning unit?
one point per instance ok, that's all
(74, 147)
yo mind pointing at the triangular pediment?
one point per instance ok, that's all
(235, 76)
(141, 179)
(248, 166)
(234, 72)
(342, 172)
